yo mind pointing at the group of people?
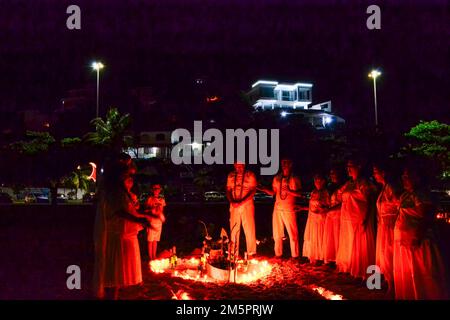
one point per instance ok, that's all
(352, 223)
(119, 219)
(241, 188)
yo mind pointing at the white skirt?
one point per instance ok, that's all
(385, 250)
(313, 237)
(331, 235)
(419, 273)
(363, 251)
(154, 233)
(122, 261)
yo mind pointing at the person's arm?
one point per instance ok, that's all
(268, 191)
(147, 206)
(321, 203)
(298, 188)
(336, 206)
(128, 216)
(366, 194)
(162, 217)
(274, 186)
(252, 189)
(148, 210)
(363, 190)
(325, 205)
(230, 195)
(393, 194)
(308, 206)
(128, 211)
(143, 218)
(299, 208)
(248, 196)
(229, 192)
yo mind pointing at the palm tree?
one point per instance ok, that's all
(77, 180)
(109, 133)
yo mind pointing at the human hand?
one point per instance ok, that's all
(235, 204)
(298, 208)
(145, 222)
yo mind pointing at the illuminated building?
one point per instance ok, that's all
(151, 144)
(292, 100)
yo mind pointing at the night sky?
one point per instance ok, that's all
(168, 44)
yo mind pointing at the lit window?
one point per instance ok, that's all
(286, 95)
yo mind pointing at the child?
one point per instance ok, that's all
(155, 206)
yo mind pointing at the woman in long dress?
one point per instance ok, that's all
(333, 219)
(118, 261)
(318, 206)
(387, 212)
(419, 272)
(356, 239)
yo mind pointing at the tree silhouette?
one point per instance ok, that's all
(431, 140)
(109, 133)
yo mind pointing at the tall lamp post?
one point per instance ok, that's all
(374, 74)
(97, 66)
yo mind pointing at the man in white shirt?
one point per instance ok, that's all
(286, 188)
(241, 187)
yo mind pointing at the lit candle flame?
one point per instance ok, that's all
(327, 294)
(254, 271)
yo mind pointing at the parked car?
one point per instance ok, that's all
(72, 195)
(262, 196)
(30, 198)
(42, 198)
(5, 198)
(192, 197)
(89, 197)
(61, 198)
(214, 196)
(442, 196)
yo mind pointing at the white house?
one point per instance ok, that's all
(290, 100)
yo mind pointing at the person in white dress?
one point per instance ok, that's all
(357, 236)
(333, 219)
(117, 223)
(387, 212)
(319, 204)
(419, 271)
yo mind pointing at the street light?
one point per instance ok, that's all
(374, 74)
(196, 146)
(97, 66)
